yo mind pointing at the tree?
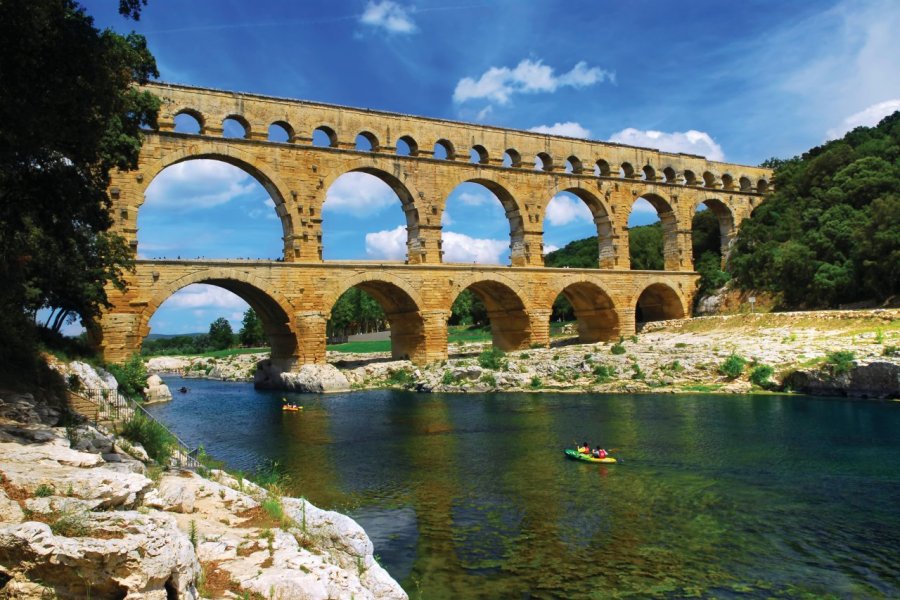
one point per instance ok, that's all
(70, 114)
(220, 334)
(251, 333)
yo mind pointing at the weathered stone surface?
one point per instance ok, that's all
(156, 390)
(10, 511)
(310, 378)
(86, 438)
(140, 557)
(877, 379)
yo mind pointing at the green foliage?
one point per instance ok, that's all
(618, 348)
(448, 378)
(636, 371)
(489, 379)
(493, 359)
(271, 473)
(733, 367)
(645, 245)
(252, 334)
(43, 491)
(70, 114)
(400, 377)
(840, 361)
(192, 533)
(830, 234)
(535, 382)
(153, 436)
(891, 351)
(356, 312)
(71, 523)
(674, 367)
(681, 345)
(760, 375)
(132, 376)
(468, 309)
(220, 334)
(604, 373)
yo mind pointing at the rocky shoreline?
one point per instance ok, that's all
(666, 357)
(87, 514)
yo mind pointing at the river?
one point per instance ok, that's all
(470, 496)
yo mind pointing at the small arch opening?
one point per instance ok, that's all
(280, 131)
(543, 162)
(626, 170)
(670, 175)
(366, 142)
(709, 180)
(762, 186)
(648, 173)
(511, 158)
(188, 121)
(443, 150)
(478, 155)
(746, 184)
(690, 178)
(235, 127)
(407, 146)
(324, 137)
(574, 166)
(601, 168)
(727, 182)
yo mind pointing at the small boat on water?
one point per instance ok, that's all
(291, 407)
(576, 455)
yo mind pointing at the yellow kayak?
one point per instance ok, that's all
(576, 455)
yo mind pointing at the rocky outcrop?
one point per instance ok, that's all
(877, 379)
(156, 390)
(316, 379)
(66, 501)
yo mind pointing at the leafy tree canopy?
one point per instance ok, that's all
(221, 335)
(830, 233)
(251, 333)
(70, 114)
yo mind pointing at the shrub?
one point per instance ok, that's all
(74, 382)
(556, 357)
(400, 377)
(604, 373)
(493, 359)
(633, 339)
(636, 372)
(535, 382)
(154, 437)
(681, 345)
(879, 336)
(840, 362)
(524, 356)
(43, 491)
(71, 523)
(617, 348)
(733, 367)
(674, 367)
(448, 378)
(132, 376)
(760, 374)
(489, 379)
(891, 351)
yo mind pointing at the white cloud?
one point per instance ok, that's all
(389, 244)
(565, 209)
(389, 16)
(568, 129)
(446, 219)
(266, 211)
(528, 77)
(472, 199)
(198, 184)
(461, 248)
(548, 248)
(200, 296)
(642, 206)
(484, 113)
(867, 117)
(690, 142)
(359, 194)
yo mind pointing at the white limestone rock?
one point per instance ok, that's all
(315, 379)
(156, 390)
(10, 511)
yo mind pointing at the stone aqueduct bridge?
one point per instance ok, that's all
(294, 296)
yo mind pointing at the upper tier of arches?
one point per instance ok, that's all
(305, 123)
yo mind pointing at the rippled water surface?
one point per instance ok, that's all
(470, 496)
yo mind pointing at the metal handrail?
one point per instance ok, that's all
(115, 407)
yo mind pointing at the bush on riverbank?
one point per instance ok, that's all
(733, 367)
(155, 438)
(132, 376)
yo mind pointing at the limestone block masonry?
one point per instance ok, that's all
(294, 296)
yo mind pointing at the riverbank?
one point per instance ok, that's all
(76, 495)
(689, 355)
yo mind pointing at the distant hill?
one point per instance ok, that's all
(165, 336)
(646, 250)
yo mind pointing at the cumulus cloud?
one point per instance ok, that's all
(690, 142)
(389, 244)
(568, 129)
(198, 184)
(473, 199)
(200, 296)
(548, 248)
(564, 209)
(867, 117)
(264, 211)
(643, 207)
(359, 194)
(528, 77)
(389, 16)
(462, 248)
(446, 220)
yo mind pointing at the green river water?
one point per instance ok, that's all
(470, 496)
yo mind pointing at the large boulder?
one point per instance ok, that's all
(115, 555)
(156, 390)
(316, 379)
(877, 379)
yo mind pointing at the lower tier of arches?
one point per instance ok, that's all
(294, 302)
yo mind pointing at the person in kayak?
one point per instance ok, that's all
(584, 448)
(599, 452)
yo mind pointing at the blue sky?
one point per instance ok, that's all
(735, 81)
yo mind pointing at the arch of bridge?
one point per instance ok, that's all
(373, 278)
(245, 159)
(514, 294)
(665, 290)
(273, 308)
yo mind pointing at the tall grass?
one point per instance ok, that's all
(155, 438)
